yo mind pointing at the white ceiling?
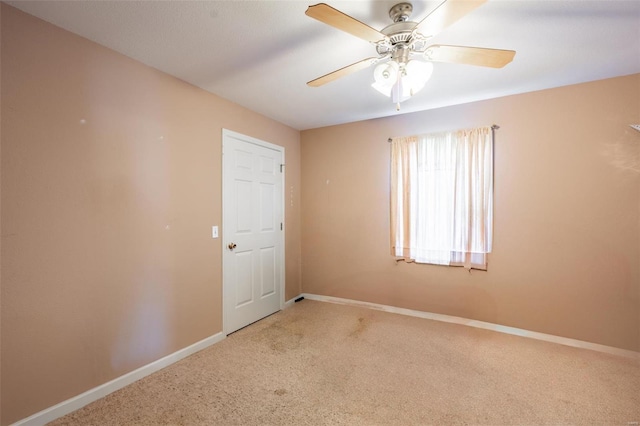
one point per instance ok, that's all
(260, 54)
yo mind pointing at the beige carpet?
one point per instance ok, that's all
(319, 363)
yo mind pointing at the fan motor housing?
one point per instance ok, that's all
(399, 32)
(400, 37)
(401, 29)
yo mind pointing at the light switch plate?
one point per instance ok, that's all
(214, 232)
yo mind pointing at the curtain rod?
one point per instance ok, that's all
(493, 127)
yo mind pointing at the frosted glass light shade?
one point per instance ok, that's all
(385, 76)
(417, 74)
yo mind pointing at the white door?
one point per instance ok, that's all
(252, 229)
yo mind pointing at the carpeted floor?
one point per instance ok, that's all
(320, 363)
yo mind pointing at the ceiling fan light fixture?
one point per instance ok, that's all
(401, 82)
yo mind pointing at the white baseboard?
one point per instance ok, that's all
(72, 404)
(480, 324)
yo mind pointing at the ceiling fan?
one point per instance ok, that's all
(399, 75)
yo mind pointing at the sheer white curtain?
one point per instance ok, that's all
(442, 197)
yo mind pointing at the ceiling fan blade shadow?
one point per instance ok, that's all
(447, 13)
(330, 16)
(480, 56)
(349, 69)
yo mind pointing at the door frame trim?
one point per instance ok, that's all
(226, 133)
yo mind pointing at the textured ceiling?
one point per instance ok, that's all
(260, 54)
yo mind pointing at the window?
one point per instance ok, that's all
(442, 197)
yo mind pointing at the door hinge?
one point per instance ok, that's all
(281, 166)
(281, 226)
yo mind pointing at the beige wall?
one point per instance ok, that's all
(566, 255)
(111, 181)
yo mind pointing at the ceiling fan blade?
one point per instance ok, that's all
(327, 78)
(447, 13)
(330, 16)
(494, 58)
